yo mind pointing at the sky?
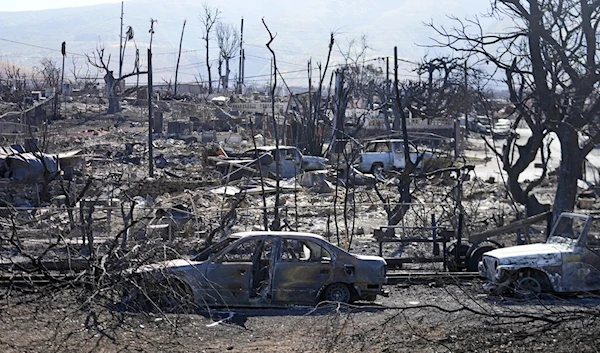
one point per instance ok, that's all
(36, 5)
(302, 30)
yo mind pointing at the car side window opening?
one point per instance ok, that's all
(241, 253)
(592, 240)
(569, 228)
(290, 154)
(303, 250)
(370, 147)
(398, 147)
(383, 147)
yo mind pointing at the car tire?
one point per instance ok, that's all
(337, 292)
(174, 296)
(376, 168)
(475, 257)
(528, 288)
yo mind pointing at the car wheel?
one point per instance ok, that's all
(337, 292)
(475, 257)
(376, 168)
(174, 296)
(528, 287)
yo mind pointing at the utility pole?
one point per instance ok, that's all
(467, 105)
(121, 45)
(179, 56)
(387, 92)
(150, 118)
(240, 68)
(243, 65)
(387, 68)
(63, 50)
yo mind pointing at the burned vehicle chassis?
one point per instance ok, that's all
(261, 269)
(568, 262)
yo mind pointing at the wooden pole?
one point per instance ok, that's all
(150, 117)
(121, 44)
(63, 50)
(240, 79)
(179, 57)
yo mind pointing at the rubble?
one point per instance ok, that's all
(190, 198)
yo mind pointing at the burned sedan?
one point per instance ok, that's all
(265, 269)
(568, 262)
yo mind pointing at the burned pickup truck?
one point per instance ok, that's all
(389, 154)
(568, 262)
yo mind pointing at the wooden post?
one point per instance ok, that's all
(179, 57)
(150, 117)
(63, 50)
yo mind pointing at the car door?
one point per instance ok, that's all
(302, 268)
(229, 275)
(290, 162)
(590, 259)
(581, 263)
(398, 154)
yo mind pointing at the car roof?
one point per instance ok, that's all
(269, 148)
(277, 233)
(386, 140)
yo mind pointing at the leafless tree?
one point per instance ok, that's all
(208, 18)
(549, 56)
(99, 60)
(348, 79)
(228, 41)
(15, 78)
(49, 73)
(82, 74)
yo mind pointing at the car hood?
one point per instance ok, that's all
(171, 265)
(369, 258)
(314, 163)
(539, 254)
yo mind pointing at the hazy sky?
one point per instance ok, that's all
(302, 31)
(33, 5)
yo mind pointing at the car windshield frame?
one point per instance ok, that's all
(569, 229)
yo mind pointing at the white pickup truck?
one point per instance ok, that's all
(388, 154)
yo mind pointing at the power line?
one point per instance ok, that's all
(37, 46)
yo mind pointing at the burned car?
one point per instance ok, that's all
(263, 160)
(264, 269)
(568, 262)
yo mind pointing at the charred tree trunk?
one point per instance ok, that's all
(227, 72)
(568, 173)
(208, 66)
(405, 180)
(112, 85)
(220, 70)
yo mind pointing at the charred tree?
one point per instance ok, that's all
(208, 18)
(552, 50)
(113, 85)
(228, 42)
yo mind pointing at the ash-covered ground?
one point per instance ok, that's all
(109, 213)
